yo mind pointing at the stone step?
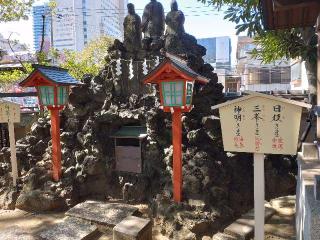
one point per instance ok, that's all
(284, 205)
(243, 228)
(105, 214)
(16, 233)
(133, 228)
(69, 229)
(223, 236)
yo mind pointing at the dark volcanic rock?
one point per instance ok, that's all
(8, 198)
(221, 182)
(37, 200)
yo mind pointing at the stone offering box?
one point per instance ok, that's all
(128, 141)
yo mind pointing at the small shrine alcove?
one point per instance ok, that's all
(128, 152)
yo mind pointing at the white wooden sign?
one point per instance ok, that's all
(259, 124)
(10, 113)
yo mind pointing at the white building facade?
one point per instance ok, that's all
(299, 78)
(77, 22)
(258, 76)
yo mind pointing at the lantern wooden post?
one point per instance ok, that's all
(177, 154)
(56, 146)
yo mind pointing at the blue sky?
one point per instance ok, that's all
(201, 21)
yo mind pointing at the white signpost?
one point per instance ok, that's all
(260, 124)
(10, 113)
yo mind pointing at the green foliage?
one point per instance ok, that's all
(273, 45)
(245, 13)
(88, 61)
(14, 10)
(10, 77)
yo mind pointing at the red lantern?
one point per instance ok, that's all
(176, 82)
(52, 84)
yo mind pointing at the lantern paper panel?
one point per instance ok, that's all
(189, 93)
(172, 93)
(63, 93)
(46, 95)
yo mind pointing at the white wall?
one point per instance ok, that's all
(268, 87)
(221, 77)
(299, 73)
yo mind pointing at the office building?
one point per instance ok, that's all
(77, 22)
(38, 11)
(218, 51)
(219, 56)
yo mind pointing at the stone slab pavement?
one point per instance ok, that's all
(243, 228)
(69, 229)
(108, 214)
(16, 233)
(282, 225)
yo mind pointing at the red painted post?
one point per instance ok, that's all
(177, 154)
(56, 147)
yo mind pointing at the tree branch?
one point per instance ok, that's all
(19, 59)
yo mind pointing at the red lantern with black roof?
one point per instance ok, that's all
(175, 81)
(52, 84)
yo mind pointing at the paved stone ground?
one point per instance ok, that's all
(16, 233)
(32, 224)
(70, 229)
(282, 225)
(25, 224)
(109, 214)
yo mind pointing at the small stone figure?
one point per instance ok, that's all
(175, 20)
(175, 30)
(132, 30)
(153, 23)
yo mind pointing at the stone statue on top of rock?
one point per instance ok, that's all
(153, 24)
(175, 29)
(132, 31)
(177, 41)
(175, 20)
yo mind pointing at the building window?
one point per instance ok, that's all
(264, 75)
(276, 75)
(286, 75)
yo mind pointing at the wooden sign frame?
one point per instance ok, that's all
(10, 114)
(254, 124)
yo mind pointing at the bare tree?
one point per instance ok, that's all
(11, 46)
